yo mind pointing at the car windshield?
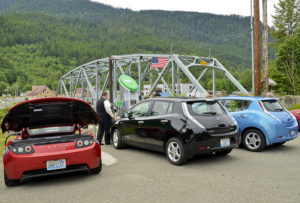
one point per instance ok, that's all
(51, 130)
(272, 105)
(205, 108)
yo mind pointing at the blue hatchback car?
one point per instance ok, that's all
(262, 121)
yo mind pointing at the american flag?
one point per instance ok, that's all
(159, 62)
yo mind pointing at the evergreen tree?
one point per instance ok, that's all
(286, 20)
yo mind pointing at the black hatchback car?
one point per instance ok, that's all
(180, 127)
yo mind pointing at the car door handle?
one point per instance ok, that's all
(163, 121)
(242, 116)
(140, 122)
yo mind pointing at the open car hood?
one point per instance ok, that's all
(46, 112)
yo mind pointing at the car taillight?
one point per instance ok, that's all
(84, 143)
(261, 106)
(28, 149)
(23, 149)
(79, 143)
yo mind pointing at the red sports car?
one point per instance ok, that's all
(296, 113)
(49, 139)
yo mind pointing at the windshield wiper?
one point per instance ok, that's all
(210, 112)
(278, 109)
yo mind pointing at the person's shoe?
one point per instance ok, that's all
(107, 143)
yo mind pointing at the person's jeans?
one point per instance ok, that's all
(101, 129)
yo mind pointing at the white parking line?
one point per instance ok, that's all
(107, 159)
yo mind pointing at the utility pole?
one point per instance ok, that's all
(256, 48)
(111, 99)
(265, 48)
(252, 50)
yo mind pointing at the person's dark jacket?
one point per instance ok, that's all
(102, 115)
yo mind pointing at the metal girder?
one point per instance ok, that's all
(158, 78)
(231, 78)
(91, 88)
(199, 78)
(64, 86)
(164, 81)
(189, 75)
(94, 75)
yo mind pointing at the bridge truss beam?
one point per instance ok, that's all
(89, 80)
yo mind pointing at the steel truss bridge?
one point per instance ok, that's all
(87, 81)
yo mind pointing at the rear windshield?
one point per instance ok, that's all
(205, 108)
(51, 130)
(272, 105)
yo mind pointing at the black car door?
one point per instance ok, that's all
(132, 128)
(157, 124)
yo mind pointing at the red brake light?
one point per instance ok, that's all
(79, 143)
(261, 106)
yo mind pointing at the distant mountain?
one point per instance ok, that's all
(77, 31)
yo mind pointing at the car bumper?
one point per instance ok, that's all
(283, 134)
(209, 144)
(23, 166)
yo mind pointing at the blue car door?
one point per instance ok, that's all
(239, 110)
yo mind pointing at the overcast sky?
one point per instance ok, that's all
(225, 7)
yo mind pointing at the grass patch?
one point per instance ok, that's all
(2, 139)
(3, 112)
(296, 106)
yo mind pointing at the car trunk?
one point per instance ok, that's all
(212, 116)
(49, 112)
(276, 109)
(284, 117)
(216, 124)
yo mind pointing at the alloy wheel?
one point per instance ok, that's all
(253, 140)
(115, 138)
(174, 151)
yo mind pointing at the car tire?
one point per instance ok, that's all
(10, 182)
(254, 140)
(117, 139)
(223, 152)
(175, 151)
(97, 169)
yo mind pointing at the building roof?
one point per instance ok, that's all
(36, 90)
(271, 82)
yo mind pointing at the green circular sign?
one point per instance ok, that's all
(128, 82)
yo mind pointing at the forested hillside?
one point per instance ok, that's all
(41, 39)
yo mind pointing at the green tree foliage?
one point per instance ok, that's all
(40, 39)
(286, 19)
(286, 68)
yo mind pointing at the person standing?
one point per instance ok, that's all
(106, 118)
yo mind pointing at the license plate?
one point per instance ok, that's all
(56, 164)
(225, 142)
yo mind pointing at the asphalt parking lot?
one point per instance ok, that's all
(143, 176)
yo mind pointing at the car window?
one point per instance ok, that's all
(160, 108)
(140, 110)
(272, 105)
(236, 105)
(205, 108)
(170, 109)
